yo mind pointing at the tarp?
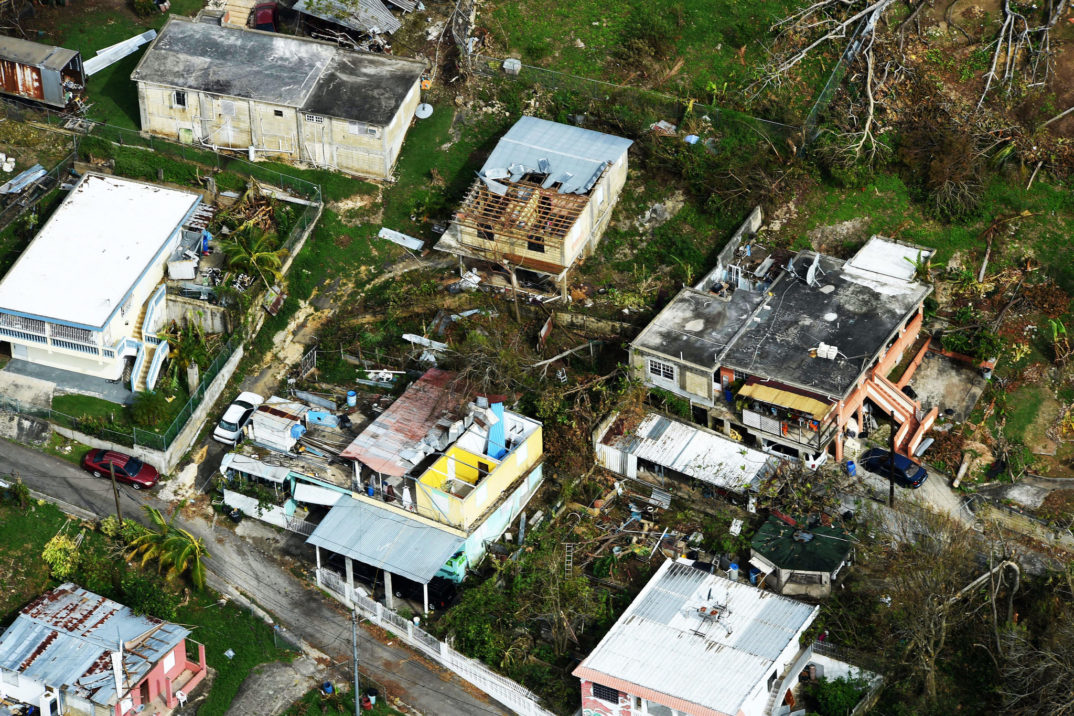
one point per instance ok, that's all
(252, 466)
(314, 495)
(786, 399)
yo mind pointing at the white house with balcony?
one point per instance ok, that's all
(87, 295)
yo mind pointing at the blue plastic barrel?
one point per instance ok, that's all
(851, 468)
(352, 399)
(370, 491)
(754, 573)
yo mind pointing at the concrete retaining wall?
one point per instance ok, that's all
(24, 429)
(165, 461)
(212, 319)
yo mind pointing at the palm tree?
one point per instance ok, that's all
(252, 251)
(171, 547)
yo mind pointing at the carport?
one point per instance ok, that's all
(397, 543)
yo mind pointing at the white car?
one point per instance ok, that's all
(235, 417)
(812, 461)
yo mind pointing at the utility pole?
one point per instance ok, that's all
(891, 466)
(115, 490)
(354, 649)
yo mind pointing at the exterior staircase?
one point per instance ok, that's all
(143, 373)
(136, 330)
(239, 11)
(903, 409)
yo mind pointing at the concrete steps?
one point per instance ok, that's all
(896, 404)
(143, 374)
(239, 11)
(136, 331)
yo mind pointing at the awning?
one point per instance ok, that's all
(786, 399)
(383, 538)
(314, 495)
(252, 466)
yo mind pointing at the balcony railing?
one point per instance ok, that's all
(77, 347)
(791, 430)
(152, 309)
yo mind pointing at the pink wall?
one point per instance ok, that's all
(161, 682)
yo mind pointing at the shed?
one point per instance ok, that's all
(47, 74)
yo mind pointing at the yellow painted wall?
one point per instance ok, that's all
(464, 513)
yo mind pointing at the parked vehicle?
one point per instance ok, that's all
(811, 460)
(442, 592)
(902, 470)
(129, 470)
(265, 16)
(235, 418)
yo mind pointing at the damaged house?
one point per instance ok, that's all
(441, 473)
(542, 200)
(288, 98)
(788, 349)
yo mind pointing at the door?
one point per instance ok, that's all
(143, 691)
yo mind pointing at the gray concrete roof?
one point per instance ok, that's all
(697, 326)
(309, 75)
(852, 309)
(364, 87)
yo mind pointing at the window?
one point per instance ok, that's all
(314, 118)
(361, 128)
(535, 243)
(179, 99)
(227, 108)
(799, 578)
(277, 113)
(604, 693)
(661, 370)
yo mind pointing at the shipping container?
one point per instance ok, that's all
(43, 73)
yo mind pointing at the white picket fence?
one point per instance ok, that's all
(512, 695)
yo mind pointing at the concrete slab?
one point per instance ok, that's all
(947, 384)
(24, 392)
(65, 381)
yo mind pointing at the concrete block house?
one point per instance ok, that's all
(784, 349)
(542, 200)
(76, 653)
(287, 98)
(87, 296)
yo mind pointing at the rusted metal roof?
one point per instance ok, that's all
(63, 639)
(430, 405)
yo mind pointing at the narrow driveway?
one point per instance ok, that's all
(236, 564)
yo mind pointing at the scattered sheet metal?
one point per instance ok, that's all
(371, 17)
(426, 342)
(319, 401)
(114, 53)
(23, 180)
(402, 239)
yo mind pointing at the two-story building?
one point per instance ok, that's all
(76, 653)
(87, 295)
(786, 348)
(442, 472)
(698, 644)
(288, 98)
(542, 199)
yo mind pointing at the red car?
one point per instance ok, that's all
(129, 470)
(265, 16)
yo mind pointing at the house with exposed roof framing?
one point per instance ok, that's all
(787, 348)
(87, 295)
(800, 559)
(289, 98)
(74, 652)
(442, 472)
(542, 199)
(700, 644)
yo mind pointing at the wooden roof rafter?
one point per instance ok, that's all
(527, 212)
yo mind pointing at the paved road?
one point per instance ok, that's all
(236, 563)
(934, 492)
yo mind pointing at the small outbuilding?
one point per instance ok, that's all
(800, 559)
(289, 98)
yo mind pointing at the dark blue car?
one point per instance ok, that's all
(904, 472)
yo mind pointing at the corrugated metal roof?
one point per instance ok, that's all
(385, 539)
(64, 638)
(253, 466)
(368, 16)
(406, 422)
(565, 150)
(698, 453)
(34, 53)
(662, 645)
(786, 399)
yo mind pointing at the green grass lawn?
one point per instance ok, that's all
(112, 94)
(23, 534)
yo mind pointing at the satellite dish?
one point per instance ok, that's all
(811, 272)
(424, 111)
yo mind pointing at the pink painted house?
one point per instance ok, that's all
(74, 652)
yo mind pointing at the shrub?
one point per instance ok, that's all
(150, 408)
(61, 555)
(837, 697)
(145, 8)
(145, 594)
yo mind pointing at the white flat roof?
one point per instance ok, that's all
(888, 258)
(93, 250)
